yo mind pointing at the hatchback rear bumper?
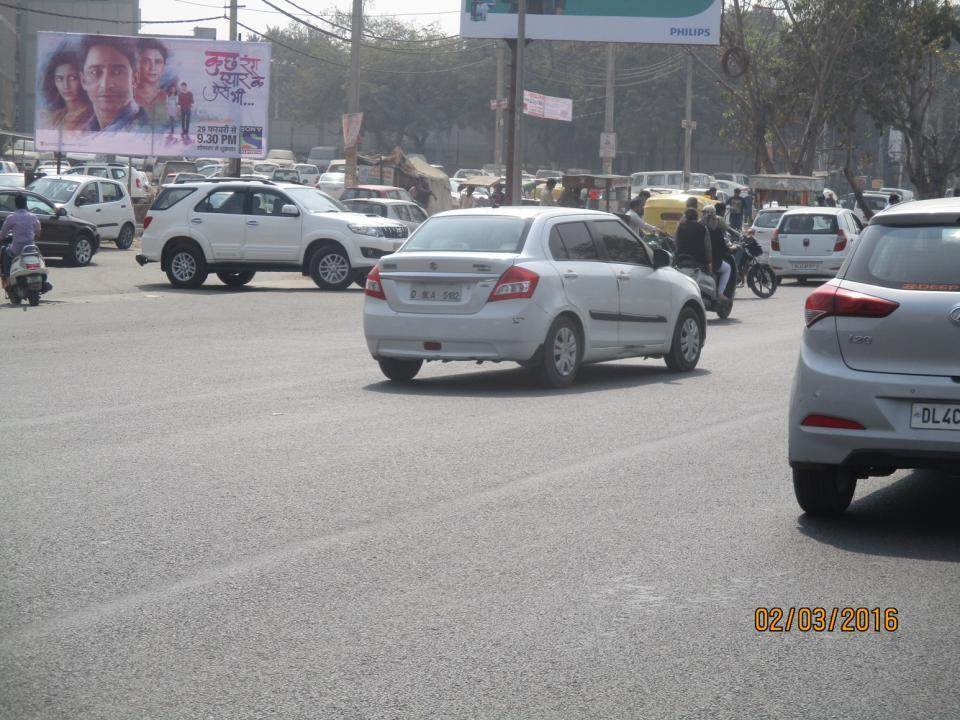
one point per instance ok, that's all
(786, 265)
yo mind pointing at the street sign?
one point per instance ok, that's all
(546, 107)
(501, 104)
(608, 145)
(688, 124)
(351, 128)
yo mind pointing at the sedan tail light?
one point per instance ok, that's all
(775, 241)
(146, 221)
(841, 243)
(373, 288)
(516, 283)
(832, 300)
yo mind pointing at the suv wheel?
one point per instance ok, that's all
(330, 268)
(186, 267)
(125, 238)
(824, 490)
(360, 278)
(81, 250)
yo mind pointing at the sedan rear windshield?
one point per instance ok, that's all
(908, 258)
(808, 224)
(469, 233)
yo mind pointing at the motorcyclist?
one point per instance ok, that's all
(693, 240)
(718, 228)
(25, 229)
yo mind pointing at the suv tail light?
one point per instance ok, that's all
(832, 300)
(841, 243)
(516, 283)
(775, 241)
(373, 288)
(146, 221)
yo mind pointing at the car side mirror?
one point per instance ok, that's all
(290, 211)
(661, 258)
(80, 201)
(61, 212)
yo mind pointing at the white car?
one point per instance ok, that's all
(403, 211)
(764, 225)
(236, 228)
(813, 242)
(139, 184)
(332, 183)
(672, 179)
(739, 179)
(309, 174)
(728, 187)
(546, 287)
(105, 203)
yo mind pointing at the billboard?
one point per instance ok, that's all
(114, 94)
(681, 22)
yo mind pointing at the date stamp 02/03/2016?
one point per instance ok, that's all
(822, 619)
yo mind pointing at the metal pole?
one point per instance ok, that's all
(688, 125)
(516, 179)
(234, 169)
(354, 92)
(608, 119)
(498, 130)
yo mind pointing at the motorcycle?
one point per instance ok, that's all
(758, 276)
(28, 276)
(720, 303)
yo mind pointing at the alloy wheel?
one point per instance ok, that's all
(333, 268)
(183, 266)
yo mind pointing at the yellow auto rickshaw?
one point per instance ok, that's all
(666, 211)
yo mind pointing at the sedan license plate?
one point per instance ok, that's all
(805, 266)
(935, 416)
(436, 293)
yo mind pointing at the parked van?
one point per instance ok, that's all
(666, 179)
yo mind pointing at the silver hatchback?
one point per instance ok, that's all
(877, 388)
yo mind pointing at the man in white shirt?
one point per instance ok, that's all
(546, 194)
(635, 219)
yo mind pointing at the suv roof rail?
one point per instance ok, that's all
(237, 179)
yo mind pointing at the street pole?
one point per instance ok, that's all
(688, 125)
(516, 176)
(354, 97)
(498, 130)
(608, 119)
(234, 169)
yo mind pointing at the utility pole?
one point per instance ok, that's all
(515, 169)
(608, 119)
(688, 124)
(498, 130)
(354, 97)
(234, 169)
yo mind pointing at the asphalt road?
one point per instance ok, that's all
(213, 506)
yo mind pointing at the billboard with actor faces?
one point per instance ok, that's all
(114, 94)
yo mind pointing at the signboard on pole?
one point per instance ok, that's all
(608, 145)
(352, 122)
(501, 104)
(546, 107)
(115, 94)
(681, 22)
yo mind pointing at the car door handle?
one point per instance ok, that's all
(252, 223)
(623, 276)
(98, 209)
(570, 275)
(197, 221)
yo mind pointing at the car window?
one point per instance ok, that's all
(40, 207)
(809, 224)
(110, 192)
(675, 179)
(908, 258)
(88, 195)
(620, 244)
(222, 201)
(268, 202)
(416, 214)
(169, 197)
(118, 173)
(470, 233)
(572, 241)
(768, 220)
(856, 223)
(98, 172)
(392, 194)
(6, 202)
(402, 212)
(656, 180)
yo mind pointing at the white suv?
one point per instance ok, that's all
(139, 187)
(235, 228)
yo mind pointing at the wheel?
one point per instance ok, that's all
(823, 491)
(81, 250)
(724, 308)
(762, 280)
(125, 238)
(360, 278)
(33, 296)
(186, 267)
(562, 354)
(14, 297)
(400, 370)
(687, 342)
(330, 268)
(236, 279)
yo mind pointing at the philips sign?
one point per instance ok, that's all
(689, 32)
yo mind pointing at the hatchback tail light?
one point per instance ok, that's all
(516, 283)
(775, 241)
(146, 221)
(373, 288)
(832, 300)
(828, 421)
(841, 244)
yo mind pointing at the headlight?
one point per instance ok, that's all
(370, 230)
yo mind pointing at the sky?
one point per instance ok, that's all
(259, 16)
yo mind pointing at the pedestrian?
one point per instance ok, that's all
(467, 199)
(748, 207)
(546, 194)
(892, 200)
(821, 200)
(186, 109)
(830, 198)
(736, 210)
(635, 219)
(497, 197)
(712, 192)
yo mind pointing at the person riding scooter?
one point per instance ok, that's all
(718, 228)
(24, 227)
(693, 240)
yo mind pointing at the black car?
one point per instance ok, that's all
(61, 235)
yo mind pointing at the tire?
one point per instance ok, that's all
(186, 267)
(15, 299)
(562, 354)
(125, 238)
(236, 279)
(400, 370)
(81, 250)
(360, 278)
(330, 268)
(33, 296)
(823, 491)
(687, 342)
(762, 280)
(724, 308)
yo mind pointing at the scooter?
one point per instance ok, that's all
(28, 276)
(721, 304)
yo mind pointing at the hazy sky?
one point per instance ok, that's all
(258, 15)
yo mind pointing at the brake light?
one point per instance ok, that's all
(516, 283)
(373, 288)
(832, 300)
(828, 421)
(841, 243)
(775, 241)
(32, 266)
